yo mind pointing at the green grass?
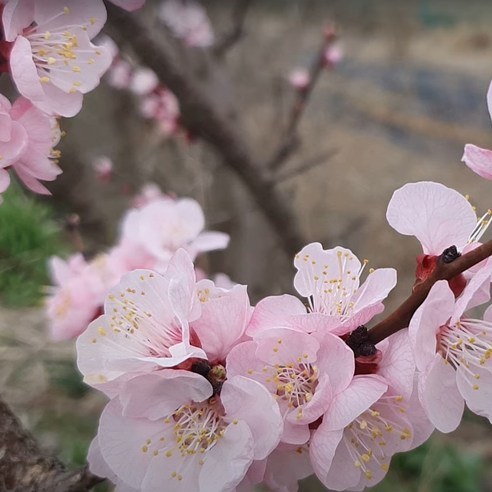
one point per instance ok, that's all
(28, 237)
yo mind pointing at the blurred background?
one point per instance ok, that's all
(407, 95)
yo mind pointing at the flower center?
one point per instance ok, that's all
(335, 287)
(369, 436)
(198, 426)
(57, 53)
(467, 344)
(296, 384)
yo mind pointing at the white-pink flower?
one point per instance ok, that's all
(303, 373)
(330, 280)
(145, 326)
(188, 21)
(27, 138)
(477, 159)
(164, 225)
(377, 416)
(170, 431)
(52, 60)
(453, 352)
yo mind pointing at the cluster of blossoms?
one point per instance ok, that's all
(154, 101)
(187, 21)
(150, 234)
(47, 49)
(209, 393)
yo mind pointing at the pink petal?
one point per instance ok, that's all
(89, 14)
(477, 391)
(478, 160)
(248, 400)
(209, 241)
(121, 440)
(324, 444)
(235, 449)
(336, 360)
(357, 398)
(397, 366)
(17, 15)
(440, 397)
(32, 183)
(159, 394)
(434, 312)
(437, 216)
(225, 315)
(275, 312)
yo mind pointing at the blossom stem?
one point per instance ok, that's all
(400, 318)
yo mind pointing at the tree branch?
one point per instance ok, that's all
(400, 318)
(236, 32)
(24, 467)
(204, 118)
(290, 139)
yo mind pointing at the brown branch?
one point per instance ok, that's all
(25, 468)
(205, 119)
(236, 32)
(400, 318)
(290, 139)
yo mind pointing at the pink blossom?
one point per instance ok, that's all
(143, 81)
(377, 416)
(188, 21)
(52, 61)
(330, 279)
(119, 74)
(168, 430)
(162, 106)
(299, 78)
(477, 159)
(452, 353)
(27, 138)
(146, 324)
(304, 374)
(164, 225)
(103, 167)
(77, 295)
(333, 55)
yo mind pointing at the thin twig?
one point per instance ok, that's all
(400, 318)
(205, 119)
(305, 166)
(236, 31)
(290, 140)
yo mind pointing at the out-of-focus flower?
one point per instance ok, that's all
(188, 21)
(27, 138)
(333, 55)
(161, 106)
(52, 60)
(143, 81)
(299, 78)
(103, 167)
